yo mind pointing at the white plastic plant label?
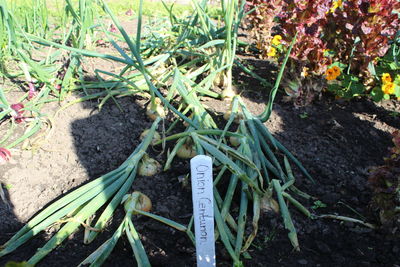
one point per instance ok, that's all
(203, 209)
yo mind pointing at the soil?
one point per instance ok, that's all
(337, 142)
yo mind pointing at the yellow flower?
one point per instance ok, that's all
(271, 52)
(386, 78)
(335, 4)
(388, 88)
(276, 40)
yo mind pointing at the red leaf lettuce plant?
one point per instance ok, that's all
(351, 34)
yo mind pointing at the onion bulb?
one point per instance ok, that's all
(235, 141)
(269, 204)
(186, 151)
(149, 166)
(228, 93)
(238, 116)
(221, 80)
(155, 110)
(136, 201)
(156, 136)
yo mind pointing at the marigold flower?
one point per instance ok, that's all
(386, 78)
(336, 70)
(271, 52)
(276, 40)
(332, 73)
(388, 88)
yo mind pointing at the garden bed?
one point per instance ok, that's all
(337, 141)
(92, 118)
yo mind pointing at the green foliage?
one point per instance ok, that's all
(318, 204)
(303, 115)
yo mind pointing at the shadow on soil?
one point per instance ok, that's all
(103, 141)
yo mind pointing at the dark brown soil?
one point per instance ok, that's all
(337, 142)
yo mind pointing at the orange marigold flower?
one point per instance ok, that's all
(330, 74)
(336, 70)
(388, 88)
(386, 78)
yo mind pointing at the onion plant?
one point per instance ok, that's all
(50, 76)
(79, 35)
(38, 75)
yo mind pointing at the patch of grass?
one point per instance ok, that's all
(150, 9)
